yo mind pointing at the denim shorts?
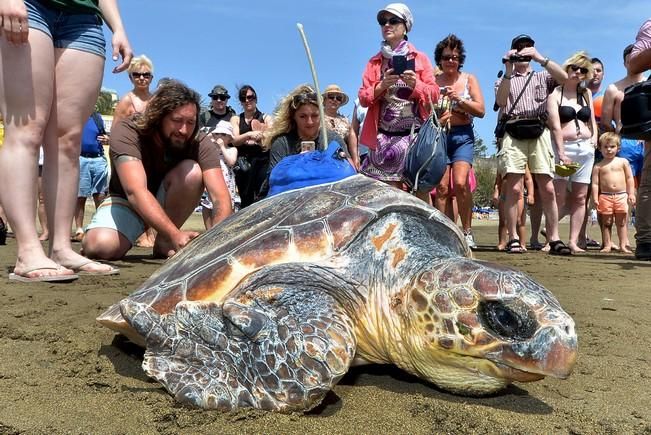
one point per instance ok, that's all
(93, 176)
(461, 144)
(117, 214)
(68, 30)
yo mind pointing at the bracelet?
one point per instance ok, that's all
(544, 62)
(507, 77)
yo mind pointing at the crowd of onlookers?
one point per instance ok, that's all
(559, 152)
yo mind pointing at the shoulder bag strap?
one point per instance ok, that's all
(520, 95)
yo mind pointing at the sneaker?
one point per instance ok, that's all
(470, 240)
(643, 251)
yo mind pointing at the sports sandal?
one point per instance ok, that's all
(557, 247)
(514, 247)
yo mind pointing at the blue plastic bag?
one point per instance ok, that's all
(309, 169)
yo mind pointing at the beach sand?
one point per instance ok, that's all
(60, 372)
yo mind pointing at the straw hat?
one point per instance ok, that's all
(335, 89)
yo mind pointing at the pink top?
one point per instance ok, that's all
(643, 39)
(425, 85)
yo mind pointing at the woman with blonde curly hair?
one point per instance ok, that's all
(141, 73)
(574, 133)
(296, 127)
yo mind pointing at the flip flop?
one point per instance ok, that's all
(43, 278)
(79, 268)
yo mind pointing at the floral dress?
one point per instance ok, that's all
(397, 114)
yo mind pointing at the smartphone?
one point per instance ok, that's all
(307, 145)
(401, 64)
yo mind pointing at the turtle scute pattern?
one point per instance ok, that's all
(270, 348)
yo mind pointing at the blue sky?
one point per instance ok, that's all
(208, 42)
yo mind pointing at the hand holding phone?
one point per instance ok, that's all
(307, 145)
(401, 64)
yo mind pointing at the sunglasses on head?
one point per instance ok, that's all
(306, 97)
(143, 75)
(452, 58)
(220, 97)
(581, 69)
(249, 98)
(336, 97)
(392, 21)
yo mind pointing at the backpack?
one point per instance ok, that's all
(636, 111)
(309, 169)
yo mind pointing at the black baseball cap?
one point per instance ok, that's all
(521, 38)
(219, 90)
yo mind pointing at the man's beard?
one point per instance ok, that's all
(174, 143)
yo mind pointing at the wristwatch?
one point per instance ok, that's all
(544, 62)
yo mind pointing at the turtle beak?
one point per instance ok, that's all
(551, 352)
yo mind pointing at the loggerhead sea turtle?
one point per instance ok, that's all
(270, 308)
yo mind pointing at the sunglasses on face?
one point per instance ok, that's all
(452, 58)
(300, 99)
(581, 69)
(336, 97)
(249, 98)
(220, 98)
(382, 21)
(143, 75)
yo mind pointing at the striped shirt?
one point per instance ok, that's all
(643, 39)
(533, 102)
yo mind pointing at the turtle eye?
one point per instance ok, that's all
(513, 321)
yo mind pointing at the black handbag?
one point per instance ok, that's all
(636, 111)
(427, 156)
(242, 165)
(523, 129)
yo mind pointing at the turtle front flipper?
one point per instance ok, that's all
(279, 349)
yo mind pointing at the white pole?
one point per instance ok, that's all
(316, 85)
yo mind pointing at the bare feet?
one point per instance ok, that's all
(546, 248)
(575, 248)
(625, 250)
(146, 239)
(44, 236)
(605, 250)
(501, 246)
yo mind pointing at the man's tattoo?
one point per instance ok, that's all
(125, 158)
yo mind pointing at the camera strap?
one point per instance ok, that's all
(508, 115)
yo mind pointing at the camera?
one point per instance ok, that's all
(516, 58)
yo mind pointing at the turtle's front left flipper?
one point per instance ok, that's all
(279, 349)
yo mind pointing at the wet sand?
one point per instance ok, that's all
(62, 373)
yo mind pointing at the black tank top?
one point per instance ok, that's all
(250, 150)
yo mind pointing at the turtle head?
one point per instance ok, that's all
(473, 328)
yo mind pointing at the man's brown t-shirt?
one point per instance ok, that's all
(126, 141)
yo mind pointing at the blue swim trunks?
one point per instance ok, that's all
(633, 151)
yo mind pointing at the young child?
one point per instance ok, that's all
(222, 136)
(613, 188)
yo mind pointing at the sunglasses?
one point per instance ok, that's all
(220, 97)
(391, 21)
(249, 98)
(145, 75)
(337, 97)
(306, 97)
(452, 58)
(581, 69)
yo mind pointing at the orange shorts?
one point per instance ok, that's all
(613, 203)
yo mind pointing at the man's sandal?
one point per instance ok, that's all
(557, 247)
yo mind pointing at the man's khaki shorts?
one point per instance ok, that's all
(537, 153)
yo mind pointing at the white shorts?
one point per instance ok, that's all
(580, 151)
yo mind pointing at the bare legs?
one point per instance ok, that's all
(572, 202)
